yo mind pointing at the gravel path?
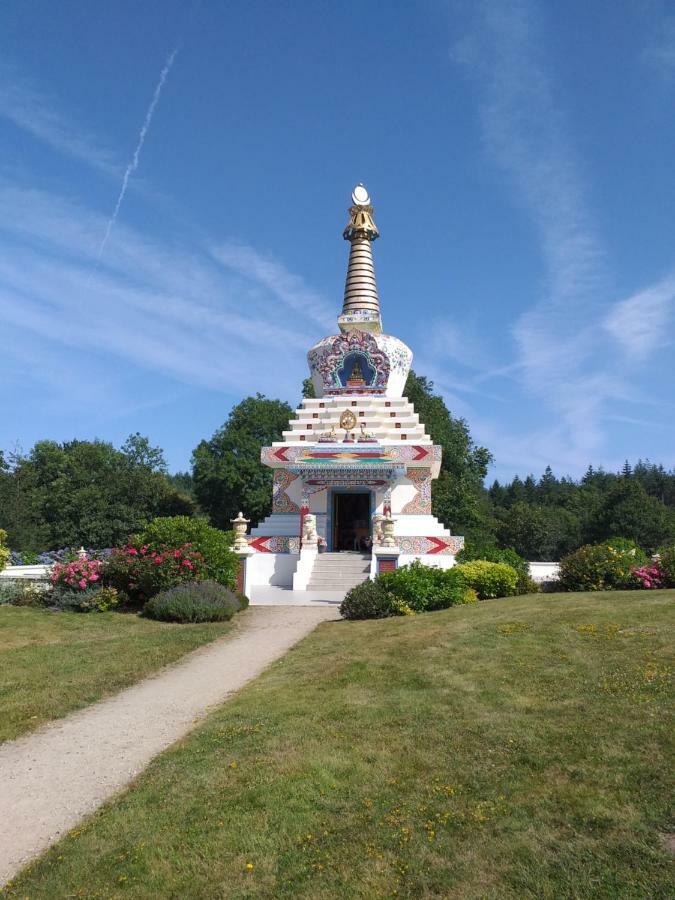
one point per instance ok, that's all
(52, 778)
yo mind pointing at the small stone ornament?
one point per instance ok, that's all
(240, 524)
(328, 437)
(388, 539)
(365, 437)
(377, 529)
(309, 535)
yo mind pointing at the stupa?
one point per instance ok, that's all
(353, 474)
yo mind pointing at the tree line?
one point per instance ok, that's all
(91, 493)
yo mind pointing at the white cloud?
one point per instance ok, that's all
(135, 159)
(165, 309)
(27, 108)
(558, 359)
(286, 286)
(640, 324)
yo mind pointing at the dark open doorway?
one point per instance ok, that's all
(351, 521)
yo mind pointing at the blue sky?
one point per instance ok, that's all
(519, 155)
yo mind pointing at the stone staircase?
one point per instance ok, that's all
(339, 571)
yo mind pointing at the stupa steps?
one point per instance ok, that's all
(352, 401)
(384, 420)
(338, 571)
(381, 437)
(368, 418)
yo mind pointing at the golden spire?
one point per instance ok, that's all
(361, 306)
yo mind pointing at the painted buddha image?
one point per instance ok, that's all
(357, 378)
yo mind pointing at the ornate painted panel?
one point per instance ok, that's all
(281, 502)
(276, 543)
(421, 502)
(430, 545)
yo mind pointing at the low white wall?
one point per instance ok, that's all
(26, 573)
(271, 568)
(434, 560)
(303, 571)
(544, 571)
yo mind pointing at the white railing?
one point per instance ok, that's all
(26, 573)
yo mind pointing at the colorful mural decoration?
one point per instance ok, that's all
(276, 543)
(335, 359)
(423, 546)
(281, 502)
(421, 502)
(407, 453)
(322, 455)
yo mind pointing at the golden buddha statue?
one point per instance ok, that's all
(357, 378)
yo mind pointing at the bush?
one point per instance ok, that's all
(4, 550)
(220, 563)
(425, 588)
(21, 593)
(49, 557)
(369, 600)
(509, 556)
(489, 579)
(204, 601)
(667, 565)
(141, 572)
(602, 567)
(78, 575)
(93, 599)
(650, 576)
(410, 589)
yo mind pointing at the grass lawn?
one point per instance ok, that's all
(515, 748)
(52, 663)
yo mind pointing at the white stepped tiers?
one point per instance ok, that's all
(393, 423)
(387, 420)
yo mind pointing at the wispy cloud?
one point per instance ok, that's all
(167, 310)
(33, 111)
(289, 288)
(133, 165)
(526, 134)
(641, 324)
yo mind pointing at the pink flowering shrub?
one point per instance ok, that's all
(142, 571)
(77, 575)
(650, 575)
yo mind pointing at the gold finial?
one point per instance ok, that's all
(361, 225)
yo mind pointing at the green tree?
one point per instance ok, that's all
(183, 482)
(538, 532)
(458, 496)
(228, 475)
(138, 451)
(308, 391)
(87, 492)
(628, 511)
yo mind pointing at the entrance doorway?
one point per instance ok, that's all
(351, 521)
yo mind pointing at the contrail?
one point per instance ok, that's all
(133, 165)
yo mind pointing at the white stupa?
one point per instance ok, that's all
(355, 466)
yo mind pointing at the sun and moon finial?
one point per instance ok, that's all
(361, 225)
(360, 196)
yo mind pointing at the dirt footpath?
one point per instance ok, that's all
(51, 779)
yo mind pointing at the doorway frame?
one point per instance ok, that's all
(331, 510)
